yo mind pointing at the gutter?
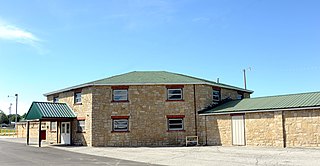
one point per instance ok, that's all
(268, 110)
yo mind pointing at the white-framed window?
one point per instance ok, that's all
(216, 95)
(120, 95)
(53, 126)
(175, 124)
(77, 97)
(120, 124)
(81, 125)
(56, 99)
(175, 94)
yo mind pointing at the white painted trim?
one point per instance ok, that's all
(257, 111)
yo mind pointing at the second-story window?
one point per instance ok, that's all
(56, 99)
(175, 94)
(120, 95)
(240, 96)
(77, 97)
(216, 95)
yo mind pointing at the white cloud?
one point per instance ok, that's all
(19, 35)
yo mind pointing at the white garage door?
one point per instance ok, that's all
(238, 137)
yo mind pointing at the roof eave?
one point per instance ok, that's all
(115, 84)
(67, 89)
(262, 110)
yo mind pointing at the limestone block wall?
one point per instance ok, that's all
(33, 130)
(302, 128)
(83, 111)
(264, 129)
(147, 109)
(218, 130)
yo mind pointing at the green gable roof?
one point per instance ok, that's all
(302, 100)
(46, 110)
(150, 78)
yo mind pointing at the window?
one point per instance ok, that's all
(175, 124)
(56, 99)
(216, 95)
(240, 96)
(120, 95)
(175, 94)
(120, 123)
(77, 97)
(53, 126)
(81, 125)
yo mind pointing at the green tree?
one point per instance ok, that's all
(3, 118)
(12, 118)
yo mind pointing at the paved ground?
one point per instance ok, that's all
(17, 154)
(209, 155)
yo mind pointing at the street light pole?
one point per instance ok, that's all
(16, 118)
(15, 124)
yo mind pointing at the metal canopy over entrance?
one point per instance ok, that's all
(45, 111)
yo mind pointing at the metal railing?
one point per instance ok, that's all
(8, 132)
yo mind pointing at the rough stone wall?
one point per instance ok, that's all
(33, 130)
(302, 128)
(218, 130)
(225, 93)
(264, 129)
(82, 111)
(147, 110)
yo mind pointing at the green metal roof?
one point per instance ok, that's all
(302, 100)
(150, 77)
(43, 110)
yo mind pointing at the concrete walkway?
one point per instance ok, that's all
(204, 155)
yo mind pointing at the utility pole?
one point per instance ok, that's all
(245, 77)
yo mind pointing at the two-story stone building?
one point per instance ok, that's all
(134, 109)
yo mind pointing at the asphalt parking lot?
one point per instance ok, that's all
(205, 155)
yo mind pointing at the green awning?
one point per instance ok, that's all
(49, 111)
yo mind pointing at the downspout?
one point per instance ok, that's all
(195, 110)
(284, 130)
(205, 125)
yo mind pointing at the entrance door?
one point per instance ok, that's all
(238, 137)
(65, 132)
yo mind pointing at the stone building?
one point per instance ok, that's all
(138, 108)
(162, 108)
(280, 121)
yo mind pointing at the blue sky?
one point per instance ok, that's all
(54, 44)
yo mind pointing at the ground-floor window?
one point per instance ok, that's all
(81, 125)
(175, 122)
(120, 123)
(53, 126)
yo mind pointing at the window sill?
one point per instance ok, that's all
(120, 131)
(77, 104)
(121, 101)
(174, 100)
(176, 130)
(53, 131)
